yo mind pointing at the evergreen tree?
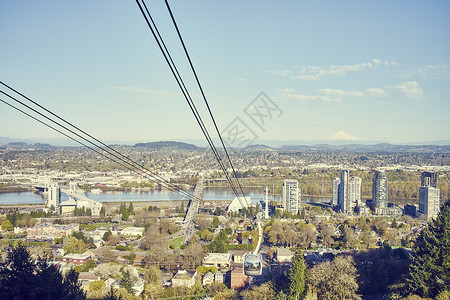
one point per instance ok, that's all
(131, 208)
(216, 222)
(123, 208)
(297, 276)
(23, 278)
(127, 282)
(429, 273)
(72, 288)
(112, 296)
(17, 278)
(125, 215)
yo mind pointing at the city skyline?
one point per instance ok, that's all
(354, 72)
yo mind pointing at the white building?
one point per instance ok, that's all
(53, 197)
(336, 182)
(236, 205)
(218, 260)
(184, 278)
(349, 192)
(354, 191)
(429, 203)
(291, 196)
(133, 231)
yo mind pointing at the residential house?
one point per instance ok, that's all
(75, 258)
(284, 255)
(85, 278)
(184, 278)
(219, 277)
(238, 256)
(219, 260)
(208, 278)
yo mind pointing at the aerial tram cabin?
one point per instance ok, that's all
(252, 264)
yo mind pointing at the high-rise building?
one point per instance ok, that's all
(54, 197)
(429, 179)
(429, 203)
(343, 199)
(291, 196)
(336, 182)
(349, 192)
(429, 195)
(354, 191)
(380, 190)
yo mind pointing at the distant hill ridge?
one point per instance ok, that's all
(382, 147)
(168, 144)
(6, 143)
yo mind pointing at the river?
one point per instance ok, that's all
(135, 196)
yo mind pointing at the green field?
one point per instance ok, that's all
(176, 243)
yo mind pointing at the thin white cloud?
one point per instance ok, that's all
(377, 92)
(306, 98)
(410, 89)
(282, 73)
(242, 79)
(425, 72)
(339, 92)
(286, 90)
(318, 72)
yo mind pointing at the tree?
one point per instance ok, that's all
(334, 280)
(127, 282)
(125, 215)
(226, 294)
(23, 278)
(216, 222)
(350, 238)
(73, 288)
(111, 295)
(106, 271)
(102, 211)
(297, 276)
(154, 291)
(265, 291)
(74, 245)
(7, 225)
(326, 234)
(429, 272)
(131, 208)
(107, 235)
(96, 285)
(153, 274)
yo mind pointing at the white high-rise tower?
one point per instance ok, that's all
(291, 196)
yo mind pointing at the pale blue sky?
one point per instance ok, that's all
(379, 70)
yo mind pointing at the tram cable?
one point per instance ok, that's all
(186, 94)
(118, 157)
(182, 86)
(204, 96)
